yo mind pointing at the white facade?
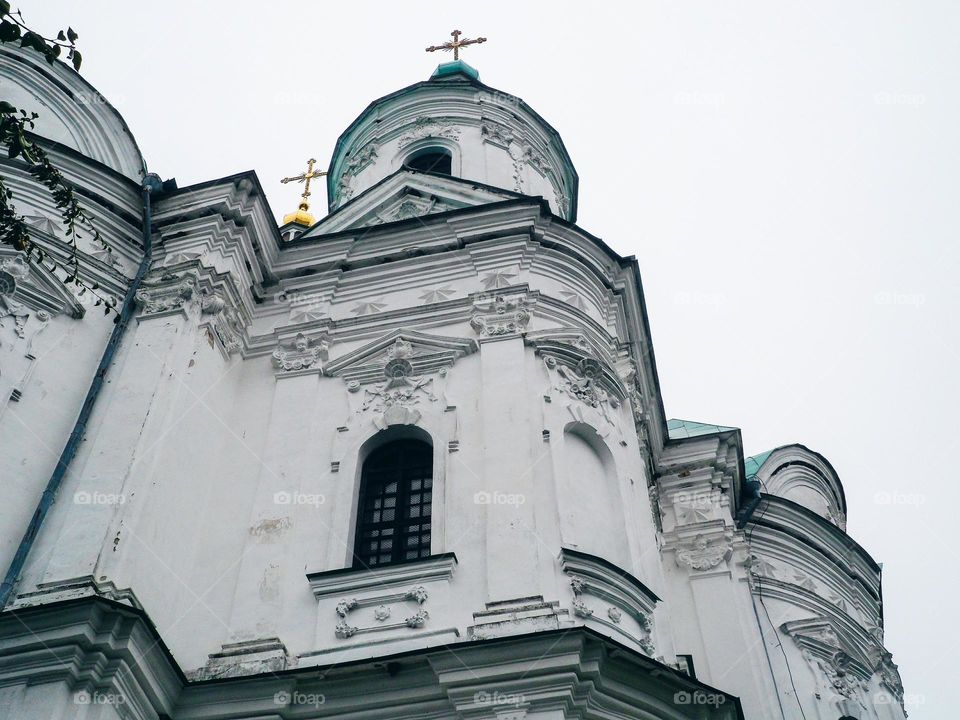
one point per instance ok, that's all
(588, 558)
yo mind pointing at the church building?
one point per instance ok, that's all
(405, 460)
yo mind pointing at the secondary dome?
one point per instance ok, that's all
(453, 124)
(71, 111)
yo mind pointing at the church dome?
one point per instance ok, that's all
(455, 125)
(796, 473)
(71, 111)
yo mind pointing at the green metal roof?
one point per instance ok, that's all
(677, 429)
(753, 464)
(452, 68)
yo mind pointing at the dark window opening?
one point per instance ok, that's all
(436, 161)
(396, 490)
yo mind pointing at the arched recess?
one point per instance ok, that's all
(592, 510)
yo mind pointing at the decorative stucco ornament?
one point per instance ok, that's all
(170, 291)
(418, 619)
(12, 270)
(302, 353)
(580, 609)
(424, 127)
(395, 397)
(344, 630)
(500, 316)
(702, 554)
(226, 324)
(581, 382)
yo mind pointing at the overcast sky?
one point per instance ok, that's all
(786, 174)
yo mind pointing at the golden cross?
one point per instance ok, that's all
(456, 44)
(305, 178)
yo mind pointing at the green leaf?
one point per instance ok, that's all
(4, 7)
(77, 59)
(6, 108)
(71, 35)
(61, 36)
(9, 31)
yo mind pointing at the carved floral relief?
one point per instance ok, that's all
(500, 315)
(304, 352)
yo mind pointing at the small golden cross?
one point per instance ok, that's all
(456, 44)
(305, 178)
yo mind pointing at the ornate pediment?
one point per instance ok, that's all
(583, 369)
(831, 650)
(411, 206)
(30, 295)
(609, 596)
(392, 378)
(572, 343)
(409, 352)
(34, 286)
(404, 195)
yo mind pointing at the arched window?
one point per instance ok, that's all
(393, 516)
(432, 159)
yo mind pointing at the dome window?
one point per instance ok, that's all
(435, 160)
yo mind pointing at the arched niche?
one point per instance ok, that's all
(592, 511)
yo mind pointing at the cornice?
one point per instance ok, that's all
(94, 644)
(803, 524)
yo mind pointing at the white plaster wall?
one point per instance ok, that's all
(198, 447)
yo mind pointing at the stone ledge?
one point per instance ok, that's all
(349, 580)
